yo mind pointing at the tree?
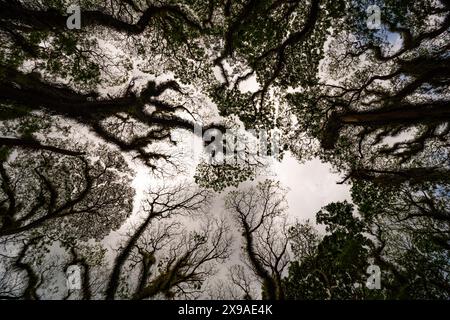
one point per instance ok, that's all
(278, 42)
(391, 229)
(382, 113)
(184, 266)
(260, 213)
(331, 268)
(64, 194)
(239, 284)
(410, 226)
(158, 258)
(140, 80)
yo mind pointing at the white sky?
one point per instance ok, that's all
(311, 186)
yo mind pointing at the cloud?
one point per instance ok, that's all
(311, 185)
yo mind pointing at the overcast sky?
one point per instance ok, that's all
(312, 185)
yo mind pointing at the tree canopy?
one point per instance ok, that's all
(142, 84)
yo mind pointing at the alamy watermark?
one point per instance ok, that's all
(238, 147)
(373, 281)
(74, 20)
(73, 278)
(374, 17)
